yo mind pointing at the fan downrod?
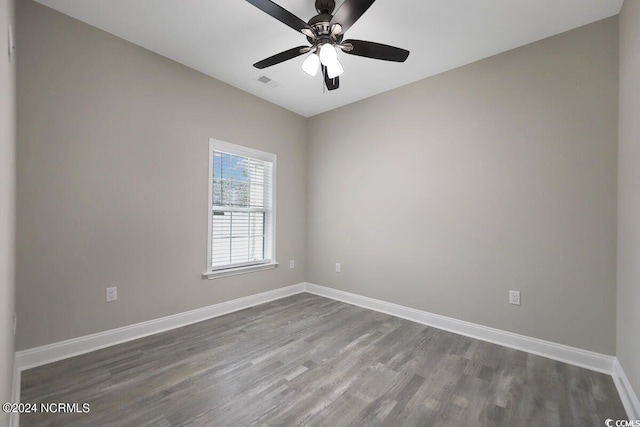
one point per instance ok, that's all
(325, 6)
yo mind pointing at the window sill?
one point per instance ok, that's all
(239, 270)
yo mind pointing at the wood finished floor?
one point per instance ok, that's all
(308, 360)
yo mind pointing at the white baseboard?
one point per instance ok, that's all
(563, 353)
(627, 395)
(38, 356)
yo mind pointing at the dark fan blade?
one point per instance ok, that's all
(280, 14)
(332, 84)
(279, 57)
(377, 51)
(350, 12)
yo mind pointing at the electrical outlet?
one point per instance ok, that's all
(337, 267)
(514, 297)
(15, 323)
(292, 264)
(112, 294)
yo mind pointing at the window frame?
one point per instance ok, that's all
(270, 237)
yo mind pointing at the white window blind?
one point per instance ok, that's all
(241, 209)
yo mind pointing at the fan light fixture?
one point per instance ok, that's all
(335, 69)
(329, 58)
(328, 54)
(311, 64)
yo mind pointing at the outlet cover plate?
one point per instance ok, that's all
(112, 294)
(514, 297)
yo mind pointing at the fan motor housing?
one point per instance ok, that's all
(322, 27)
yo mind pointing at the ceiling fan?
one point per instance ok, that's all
(325, 32)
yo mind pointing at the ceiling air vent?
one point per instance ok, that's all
(267, 81)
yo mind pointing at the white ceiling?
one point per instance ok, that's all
(223, 38)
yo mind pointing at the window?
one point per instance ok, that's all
(241, 208)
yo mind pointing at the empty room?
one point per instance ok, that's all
(319, 213)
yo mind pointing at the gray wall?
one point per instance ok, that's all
(112, 181)
(628, 344)
(7, 206)
(444, 194)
